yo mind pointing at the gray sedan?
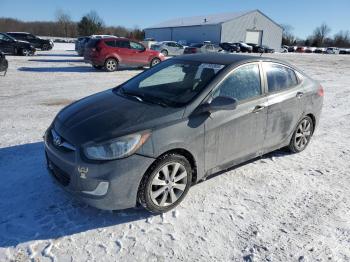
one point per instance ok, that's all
(150, 139)
(168, 48)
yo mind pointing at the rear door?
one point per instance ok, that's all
(285, 103)
(237, 135)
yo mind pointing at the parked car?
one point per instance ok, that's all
(35, 41)
(300, 49)
(344, 51)
(9, 45)
(245, 48)
(230, 47)
(149, 139)
(168, 48)
(320, 50)
(332, 50)
(310, 49)
(284, 49)
(292, 49)
(80, 44)
(201, 48)
(256, 48)
(3, 64)
(109, 53)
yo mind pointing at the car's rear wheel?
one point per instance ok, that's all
(111, 65)
(165, 184)
(302, 135)
(26, 52)
(155, 61)
(164, 52)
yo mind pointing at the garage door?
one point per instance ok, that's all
(253, 37)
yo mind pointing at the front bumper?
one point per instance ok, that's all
(109, 185)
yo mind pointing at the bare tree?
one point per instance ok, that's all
(342, 39)
(320, 34)
(64, 20)
(288, 37)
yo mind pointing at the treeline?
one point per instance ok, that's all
(319, 38)
(63, 26)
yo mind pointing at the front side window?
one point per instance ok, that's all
(241, 84)
(175, 82)
(5, 38)
(137, 46)
(279, 77)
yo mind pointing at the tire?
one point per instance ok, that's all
(25, 52)
(97, 67)
(165, 52)
(45, 47)
(302, 135)
(111, 65)
(155, 61)
(161, 191)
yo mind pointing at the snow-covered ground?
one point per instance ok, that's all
(280, 207)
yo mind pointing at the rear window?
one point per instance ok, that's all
(110, 43)
(122, 44)
(92, 43)
(280, 77)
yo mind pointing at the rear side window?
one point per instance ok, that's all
(110, 43)
(93, 43)
(122, 44)
(279, 77)
(243, 83)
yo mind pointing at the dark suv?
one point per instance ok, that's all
(37, 42)
(9, 45)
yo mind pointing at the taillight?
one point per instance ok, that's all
(320, 91)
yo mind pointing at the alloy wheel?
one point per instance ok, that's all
(303, 134)
(155, 62)
(168, 184)
(111, 65)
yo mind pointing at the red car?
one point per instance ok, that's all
(109, 53)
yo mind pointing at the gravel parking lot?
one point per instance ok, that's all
(281, 207)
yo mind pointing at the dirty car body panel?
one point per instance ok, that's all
(215, 140)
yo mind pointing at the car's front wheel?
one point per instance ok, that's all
(26, 52)
(155, 61)
(165, 184)
(111, 65)
(302, 135)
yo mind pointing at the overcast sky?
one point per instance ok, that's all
(302, 15)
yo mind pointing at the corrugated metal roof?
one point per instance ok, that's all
(201, 20)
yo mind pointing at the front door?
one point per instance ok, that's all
(139, 56)
(235, 135)
(6, 44)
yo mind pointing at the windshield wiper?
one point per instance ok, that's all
(144, 98)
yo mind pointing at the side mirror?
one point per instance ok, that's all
(217, 104)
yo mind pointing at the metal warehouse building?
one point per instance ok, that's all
(250, 27)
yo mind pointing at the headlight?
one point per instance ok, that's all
(117, 148)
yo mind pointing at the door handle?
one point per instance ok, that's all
(299, 94)
(258, 108)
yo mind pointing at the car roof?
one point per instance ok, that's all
(25, 33)
(226, 59)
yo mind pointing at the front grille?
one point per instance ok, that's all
(62, 145)
(61, 176)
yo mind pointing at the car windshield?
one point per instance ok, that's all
(172, 83)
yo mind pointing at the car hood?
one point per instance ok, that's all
(108, 115)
